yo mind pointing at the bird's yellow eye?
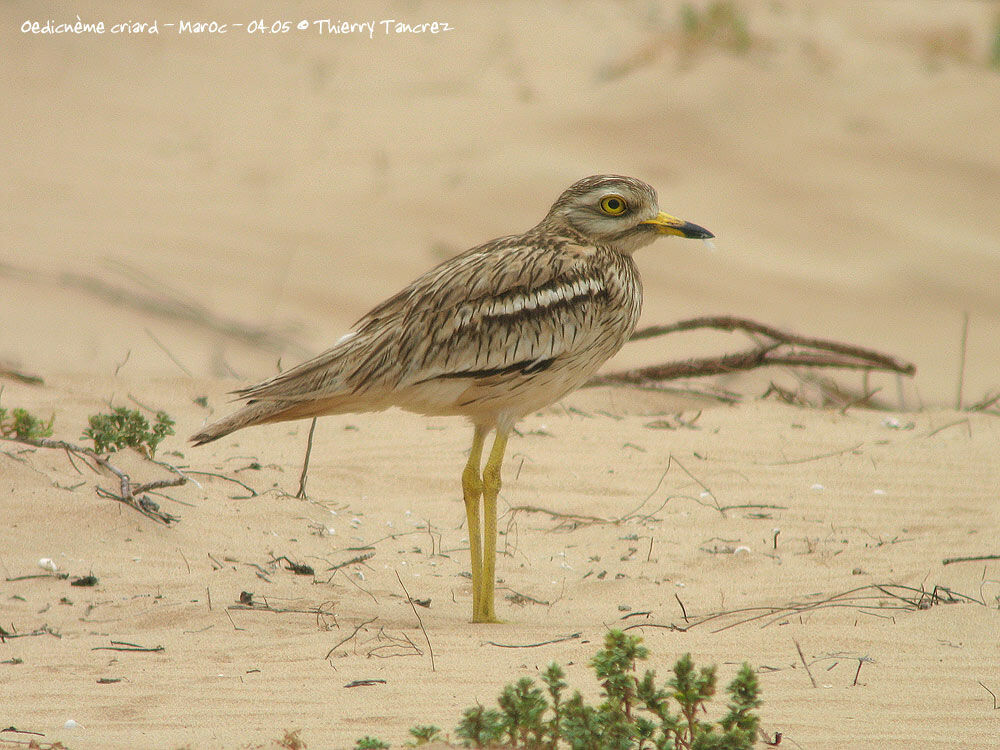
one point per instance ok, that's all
(613, 205)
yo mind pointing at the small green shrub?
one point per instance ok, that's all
(722, 24)
(480, 726)
(425, 733)
(128, 428)
(635, 713)
(23, 425)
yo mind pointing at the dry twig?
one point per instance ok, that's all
(12, 373)
(805, 663)
(419, 621)
(570, 637)
(974, 558)
(132, 495)
(44, 630)
(870, 599)
(777, 348)
(130, 647)
(304, 476)
(353, 633)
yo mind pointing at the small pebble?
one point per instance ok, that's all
(46, 563)
(71, 724)
(817, 487)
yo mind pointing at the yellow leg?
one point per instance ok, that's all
(491, 488)
(472, 489)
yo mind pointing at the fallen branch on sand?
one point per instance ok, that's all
(773, 347)
(44, 630)
(873, 599)
(12, 373)
(132, 495)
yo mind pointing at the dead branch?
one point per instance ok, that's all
(774, 347)
(571, 519)
(304, 476)
(132, 495)
(416, 614)
(974, 558)
(359, 559)
(345, 640)
(987, 401)
(318, 610)
(44, 630)
(12, 373)
(560, 639)
(134, 648)
(869, 599)
(244, 485)
(805, 663)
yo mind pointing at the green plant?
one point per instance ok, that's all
(424, 733)
(124, 428)
(635, 713)
(23, 425)
(480, 726)
(370, 743)
(722, 24)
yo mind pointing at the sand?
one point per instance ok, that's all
(185, 212)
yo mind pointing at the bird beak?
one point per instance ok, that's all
(667, 224)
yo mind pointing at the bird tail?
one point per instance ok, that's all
(266, 411)
(251, 414)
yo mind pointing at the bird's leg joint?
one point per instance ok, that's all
(491, 479)
(472, 484)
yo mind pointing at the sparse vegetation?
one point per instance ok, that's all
(721, 23)
(23, 425)
(635, 714)
(128, 428)
(370, 743)
(423, 734)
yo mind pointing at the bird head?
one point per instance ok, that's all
(617, 212)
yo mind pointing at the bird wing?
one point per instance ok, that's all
(509, 313)
(503, 306)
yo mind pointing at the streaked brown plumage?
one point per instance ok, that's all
(493, 334)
